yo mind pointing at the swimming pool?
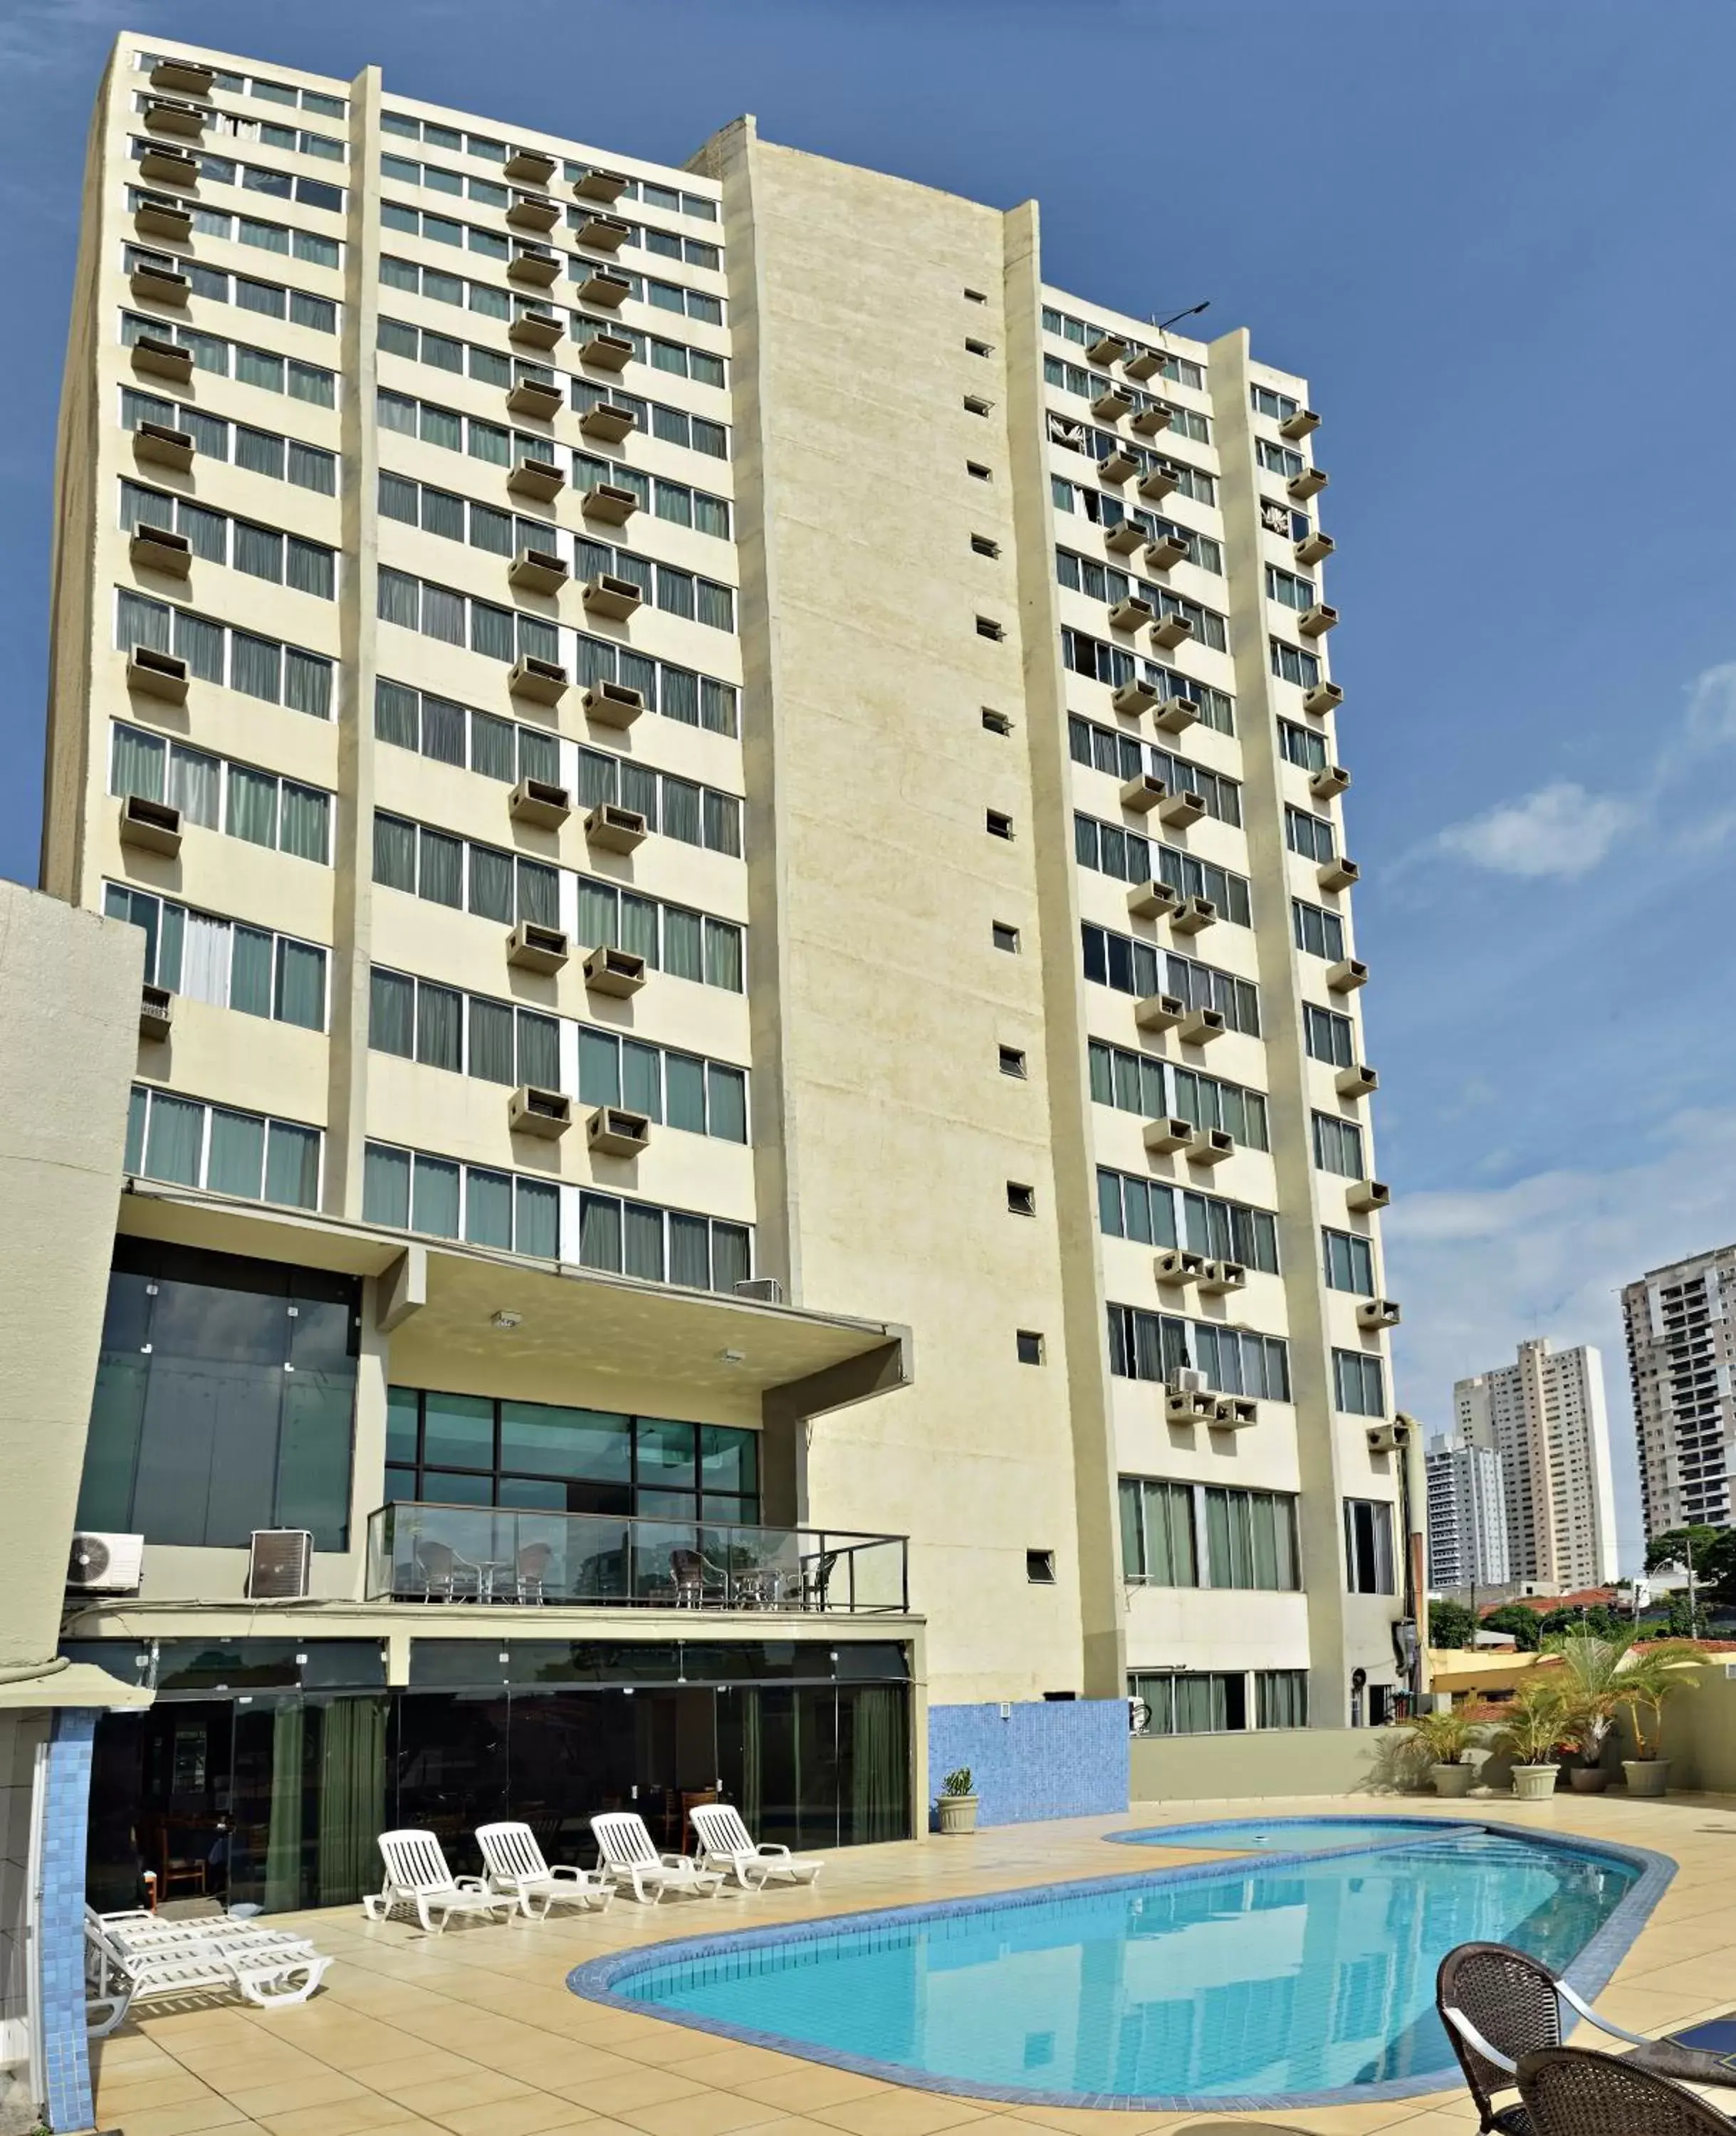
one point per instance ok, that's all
(1295, 1979)
(1295, 1835)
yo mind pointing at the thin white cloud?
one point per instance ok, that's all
(1559, 830)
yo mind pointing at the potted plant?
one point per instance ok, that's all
(1533, 1723)
(1602, 1678)
(1643, 1681)
(1444, 1738)
(956, 1807)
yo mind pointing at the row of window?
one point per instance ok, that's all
(1309, 835)
(1144, 1211)
(666, 586)
(262, 553)
(1090, 385)
(186, 1143)
(260, 452)
(488, 367)
(1214, 1701)
(453, 734)
(1200, 1535)
(1278, 459)
(679, 502)
(269, 299)
(1279, 406)
(1114, 665)
(237, 360)
(1302, 747)
(673, 426)
(1154, 1346)
(456, 619)
(1095, 505)
(679, 808)
(1159, 1089)
(490, 150)
(1179, 370)
(1137, 968)
(677, 693)
(300, 141)
(1318, 932)
(267, 91)
(1129, 857)
(1290, 663)
(1338, 1147)
(222, 961)
(1125, 756)
(312, 247)
(1290, 590)
(492, 300)
(253, 178)
(1098, 445)
(491, 244)
(1328, 1037)
(219, 794)
(217, 653)
(1083, 574)
(675, 358)
(1349, 1262)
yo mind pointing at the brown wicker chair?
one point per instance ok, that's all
(1571, 2091)
(1498, 2005)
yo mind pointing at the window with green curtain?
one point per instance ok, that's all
(723, 955)
(434, 1200)
(249, 971)
(682, 943)
(395, 714)
(236, 1162)
(173, 1139)
(1281, 1698)
(597, 778)
(489, 1208)
(681, 811)
(723, 824)
(599, 1232)
(252, 805)
(639, 927)
(638, 790)
(386, 1187)
(689, 1251)
(440, 876)
(731, 1256)
(537, 1219)
(491, 754)
(1133, 1528)
(539, 756)
(200, 644)
(307, 684)
(394, 853)
(598, 913)
(1252, 1539)
(491, 884)
(136, 763)
(292, 1165)
(439, 1023)
(539, 894)
(725, 1102)
(1161, 1518)
(141, 622)
(599, 1068)
(196, 786)
(685, 1079)
(642, 1078)
(491, 1041)
(134, 1155)
(644, 1242)
(391, 1013)
(539, 1050)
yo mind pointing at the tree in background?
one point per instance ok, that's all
(1599, 1619)
(1450, 1624)
(1712, 1554)
(1525, 1625)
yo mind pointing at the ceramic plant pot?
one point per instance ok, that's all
(957, 1812)
(1587, 1779)
(1534, 1783)
(1647, 1776)
(1452, 1779)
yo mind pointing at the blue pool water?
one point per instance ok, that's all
(1291, 1835)
(1263, 1981)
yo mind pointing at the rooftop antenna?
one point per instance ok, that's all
(1193, 311)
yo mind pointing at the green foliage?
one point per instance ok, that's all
(1522, 1623)
(1534, 1720)
(1602, 1678)
(957, 1782)
(1450, 1624)
(1678, 1619)
(1445, 1736)
(1675, 1545)
(1607, 1624)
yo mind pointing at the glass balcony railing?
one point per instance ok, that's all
(490, 1554)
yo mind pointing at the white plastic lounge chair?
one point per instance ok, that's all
(131, 1958)
(725, 1843)
(630, 1856)
(514, 1865)
(417, 1875)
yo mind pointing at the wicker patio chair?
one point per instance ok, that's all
(1571, 2091)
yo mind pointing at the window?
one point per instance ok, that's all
(673, 426)
(676, 502)
(1278, 459)
(1310, 836)
(1149, 1346)
(1021, 1200)
(1251, 1540)
(1369, 1547)
(1157, 1533)
(452, 734)
(1190, 1704)
(1305, 750)
(678, 1090)
(1029, 1345)
(987, 627)
(1278, 406)
(1102, 663)
(458, 619)
(1129, 857)
(270, 299)
(1291, 664)
(1359, 1384)
(1207, 1102)
(1012, 1061)
(1338, 1147)
(466, 1034)
(1006, 938)
(1039, 1567)
(1281, 1698)
(217, 794)
(250, 366)
(223, 962)
(1145, 1210)
(1135, 968)
(1124, 756)
(999, 826)
(1288, 591)
(977, 471)
(258, 666)
(1328, 1037)
(1349, 1263)
(190, 1143)
(677, 693)
(696, 815)
(306, 567)
(1319, 932)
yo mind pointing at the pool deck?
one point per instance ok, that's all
(474, 2033)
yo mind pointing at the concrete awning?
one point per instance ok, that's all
(77, 1683)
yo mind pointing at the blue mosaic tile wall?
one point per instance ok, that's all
(60, 1983)
(1060, 1757)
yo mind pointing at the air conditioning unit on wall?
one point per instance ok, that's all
(279, 1564)
(101, 1564)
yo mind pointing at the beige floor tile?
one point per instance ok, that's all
(360, 2116)
(800, 2090)
(413, 2066)
(528, 2114)
(733, 2064)
(897, 2112)
(705, 2114)
(481, 2087)
(191, 2119)
(329, 2088)
(639, 2085)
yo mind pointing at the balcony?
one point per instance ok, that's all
(529, 1559)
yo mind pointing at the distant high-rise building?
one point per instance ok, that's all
(1545, 1416)
(1681, 1356)
(1467, 1514)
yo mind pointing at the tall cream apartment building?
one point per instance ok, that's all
(750, 1108)
(1546, 1416)
(1681, 1357)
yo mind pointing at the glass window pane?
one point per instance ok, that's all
(489, 1208)
(436, 1201)
(237, 1153)
(292, 1171)
(386, 1187)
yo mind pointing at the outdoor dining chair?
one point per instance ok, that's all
(1574, 2091)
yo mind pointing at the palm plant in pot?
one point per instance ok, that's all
(1602, 1678)
(1533, 1723)
(1445, 1740)
(1643, 1681)
(955, 1810)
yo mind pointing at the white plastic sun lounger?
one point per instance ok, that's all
(514, 1866)
(417, 1876)
(630, 1856)
(133, 1958)
(725, 1843)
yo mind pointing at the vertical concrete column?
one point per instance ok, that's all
(59, 1872)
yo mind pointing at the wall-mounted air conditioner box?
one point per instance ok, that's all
(177, 115)
(164, 164)
(1174, 1268)
(536, 325)
(534, 211)
(1130, 614)
(1314, 547)
(612, 704)
(1193, 914)
(1143, 363)
(1166, 550)
(1176, 714)
(605, 286)
(156, 215)
(530, 166)
(536, 265)
(760, 1289)
(157, 358)
(1124, 537)
(1189, 1408)
(1310, 482)
(1152, 900)
(1112, 405)
(1328, 782)
(1384, 1439)
(1358, 1081)
(1117, 464)
(547, 1114)
(604, 233)
(537, 571)
(1347, 975)
(535, 949)
(1151, 421)
(1376, 1312)
(607, 424)
(615, 830)
(1143, 792)
(1108, 349)
(611, 1132)
(1135, 697)
(1321, 698)
(182, 78)
(155, 1012)
(1159, 1011)
(608, 502)
(606, 352)
(540, 479)
(156, 549)
(1365, 1196)
(1241, 1412)
(1299, 425)
(152, 285)
(543, 681)
(152, 826)
(1164, 1137)
(1210, 1146)
(1169, 631)
(1222, 1279)
(1156, 483)
(99, 1563)
(599, 185)
(1200, 1027)
(535, 398)
(538, 802)
(1316, 621)
(163, 446)
(1338, 873)
(1181, 810)
(617, 599)
(279, 1564)
(156, 674)
(617, 972)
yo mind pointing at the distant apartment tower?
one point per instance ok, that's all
(1681, 1357)
(1467, 1514)
(1545, 1416)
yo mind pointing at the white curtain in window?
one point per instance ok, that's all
(205, 959)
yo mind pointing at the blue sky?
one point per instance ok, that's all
(1497, 239)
